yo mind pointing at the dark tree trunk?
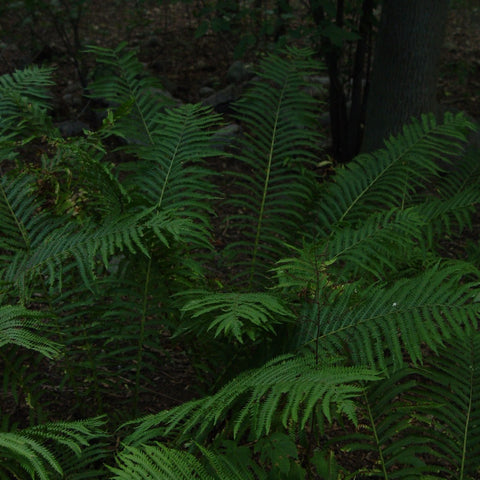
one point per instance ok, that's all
(405, 67)
(347, 113)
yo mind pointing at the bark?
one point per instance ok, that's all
(405, 67)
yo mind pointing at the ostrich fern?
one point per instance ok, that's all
(279, 119)
(368, 326)
(375, 292)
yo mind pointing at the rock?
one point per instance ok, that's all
(238, 72)
(72, 128)
(222, 99)
(206, 92)
(226, 137)
(153, 42)
(325, 81)
(165, 96)
(72, 100)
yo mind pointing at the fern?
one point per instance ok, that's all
(121, 82)
(24, 100)
(236, 314)
(278, 117)
(395, 429)
(423, 421)
(427, 309)
(19, 326)
(158, 461)
(452, 387)
(33, 451)
(287, 388)
(389, 178)
(366, 294)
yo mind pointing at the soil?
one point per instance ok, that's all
(164, 34)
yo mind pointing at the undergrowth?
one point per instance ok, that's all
(334, 328)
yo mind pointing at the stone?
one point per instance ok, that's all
(226, 136)
(222, 99)
(238, 72)
(72, 128)
(206, 92)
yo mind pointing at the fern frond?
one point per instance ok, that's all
(236, 314)
(449, 215)
(463, 173)
(33, 450)
(21, 454)
(169, 142)
(82, 245)
(24, 100)
(170, 175)
(287, 388)
(225, 467)
(452, 386)
(20, 225)
(429, 309)
(272, 200)
(19, 326)
(157, 461)
(394, 429)
(389, 177)
(382, 243)
(122, 82)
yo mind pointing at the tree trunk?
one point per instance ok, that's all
(405, 67)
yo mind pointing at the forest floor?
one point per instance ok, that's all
(164, 35)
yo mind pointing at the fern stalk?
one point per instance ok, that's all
(265, 190)
(375, 434)
(467, 422)
(141, 336)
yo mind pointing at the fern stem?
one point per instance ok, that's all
(467, 422)
(21, 227)
(375, 434)
(167, 175)
(141, 336)
(265, 188)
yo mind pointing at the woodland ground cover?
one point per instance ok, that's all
(112, 254)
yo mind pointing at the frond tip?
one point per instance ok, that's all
(238, 314)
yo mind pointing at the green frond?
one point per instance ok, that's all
(34, 450)
(19, 326)
(226, 469)
(451, 387)
(235, 314)
(424, 420)
(463, 173)
(22, 454)
(428, 309)
(449, 215)
(137, 99)
(381, 245)
(278, 118)
(171, 143)
(158, 462)
(394, 429)
(81, 245)
(170, 175)
(389, 177)
(287, 389)
(86, 185)
(17, 213)
(24, 100)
